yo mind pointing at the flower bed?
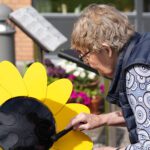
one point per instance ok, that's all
(88, 87)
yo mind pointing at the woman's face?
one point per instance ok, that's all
(104, 62)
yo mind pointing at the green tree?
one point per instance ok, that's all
(72, 5)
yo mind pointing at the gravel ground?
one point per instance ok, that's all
(99, 138)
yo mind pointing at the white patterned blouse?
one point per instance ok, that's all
(138, 94)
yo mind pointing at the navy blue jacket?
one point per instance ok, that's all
(136, 51)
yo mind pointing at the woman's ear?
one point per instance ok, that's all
(108, 49)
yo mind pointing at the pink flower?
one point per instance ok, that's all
(87, 101)
(74, 94)
(80, 97)
(102, 88)
(85, 97)
(71, 77)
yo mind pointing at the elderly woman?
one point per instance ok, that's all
(106, 41)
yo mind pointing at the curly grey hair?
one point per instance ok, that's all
(99, 24)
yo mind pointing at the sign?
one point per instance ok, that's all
(38, 28)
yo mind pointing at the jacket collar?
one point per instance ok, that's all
(113, 94)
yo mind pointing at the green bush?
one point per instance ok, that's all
(73, 5)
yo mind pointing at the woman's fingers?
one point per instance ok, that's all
(85, 121)
(78, 120)
(84, 126)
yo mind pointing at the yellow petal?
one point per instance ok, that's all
(1, 148)
(4, 95)
(75, 140)
(11, 80)
(35, 80)
(58, 94)
(67, 113)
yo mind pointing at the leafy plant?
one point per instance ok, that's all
(86, 84)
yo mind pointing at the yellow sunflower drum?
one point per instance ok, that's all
(35, 111)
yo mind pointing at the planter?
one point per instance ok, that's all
(97, 105)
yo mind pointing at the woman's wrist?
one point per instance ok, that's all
(103, 119)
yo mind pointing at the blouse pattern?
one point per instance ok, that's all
(138, 94)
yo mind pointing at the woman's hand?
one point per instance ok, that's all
(85, 121)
